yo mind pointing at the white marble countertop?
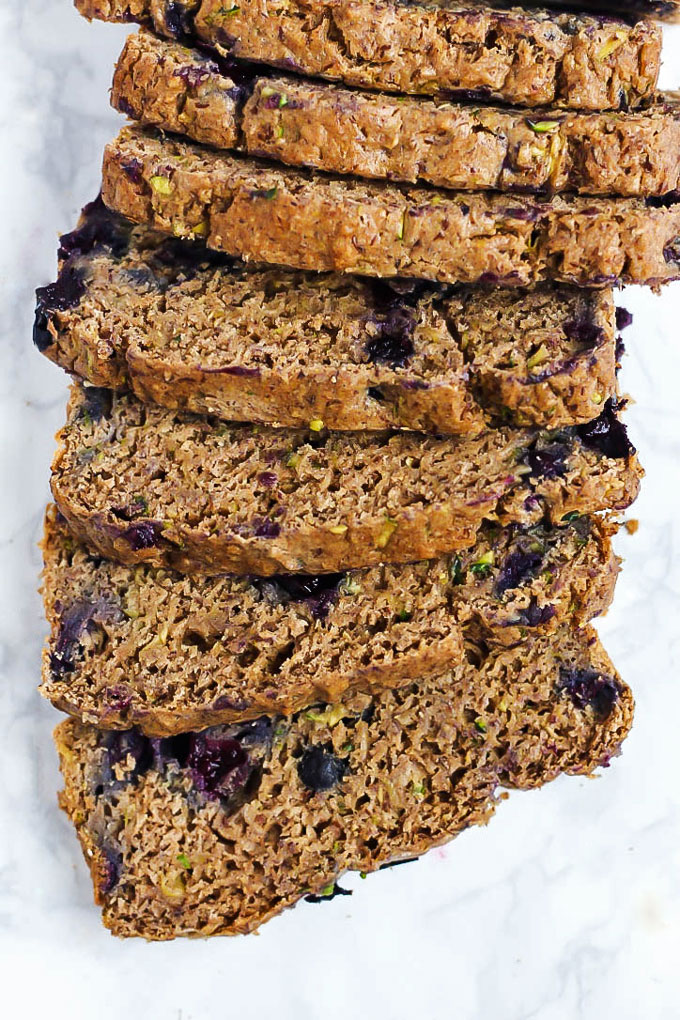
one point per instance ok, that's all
(566, 907)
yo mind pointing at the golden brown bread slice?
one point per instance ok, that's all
(216, 832)
(140, 484)
(532, 58)
(289, 217)
(141, 646)
(188, 329)
(413, 139)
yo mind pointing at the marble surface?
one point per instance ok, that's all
(566, 907)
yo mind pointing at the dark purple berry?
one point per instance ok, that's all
(267, 479)
(219, 765)
(118, 698)
(584, 332)
(142, 534)
(255, 732)
(266, 529)
(97, 403)
(671, 252)
(607, 434)
(272, 102)
(238, 370)
(548, 460)
(120, 746)
(392, 342)
(132, 168)
(498, 280)
(529, 214)
(619, 351)
(111, 866)
(64, 293)
(465, 95)
(320, 769)
(586, 687)
(137, 508)
(177, 19)
(101, 229)
(624, 318)
(126, 107)
(194, 74)
(518, 567)
(74, 622)
(535, 615)
(317, 591)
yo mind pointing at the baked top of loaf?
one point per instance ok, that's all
(532, 58)
(189, 329)
(142, 646)
(216, 832)
(278, 215)
(415, 139)
(139, 483)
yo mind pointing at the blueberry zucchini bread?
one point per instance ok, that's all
(290, 217)
(144, 646)
(215, 832)
(531, 58)
(138, 483)
(190, 329)
(416, 140)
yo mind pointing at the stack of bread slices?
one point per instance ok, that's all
(335, 497)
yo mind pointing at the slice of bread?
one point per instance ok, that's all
(188, 329)
(142, 646)
(140, 484)
(288, 217)
(531, 58)
(214, 833)
(417, 140)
